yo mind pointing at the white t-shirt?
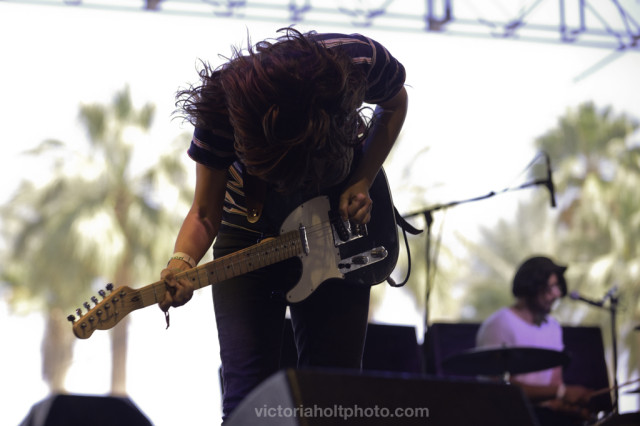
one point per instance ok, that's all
(505, 328)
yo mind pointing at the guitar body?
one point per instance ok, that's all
(365, 259)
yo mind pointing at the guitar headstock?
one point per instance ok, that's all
(106, 313)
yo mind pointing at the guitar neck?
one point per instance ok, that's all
(265, 253)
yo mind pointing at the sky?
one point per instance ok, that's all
(476, 106)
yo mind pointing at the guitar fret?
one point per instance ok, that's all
(212, 275)
(262, 260)
(243, 266)
(259, 261)
(295, 245)
(224, 264)
(188, 274)
(203, 277)
(153, 293)
(231, 267)
(219, 273)
(266, 255)
(194, 276)
(286, 248)
(249, 262)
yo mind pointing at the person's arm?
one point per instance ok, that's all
(556, 390)
(537, 393)
(197, 233)
(355, 203)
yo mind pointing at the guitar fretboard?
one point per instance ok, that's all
(241, 262)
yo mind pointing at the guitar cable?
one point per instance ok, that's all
(404, 225)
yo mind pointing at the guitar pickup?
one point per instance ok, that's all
(343, 231)
(363, 259)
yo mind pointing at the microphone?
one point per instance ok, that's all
(610, 293)
(549, 182)
(574, 295)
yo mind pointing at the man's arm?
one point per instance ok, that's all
(389, 117)
(566, 394)
(197, 232)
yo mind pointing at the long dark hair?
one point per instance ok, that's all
(289, 102)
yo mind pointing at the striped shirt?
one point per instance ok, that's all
(384, 75)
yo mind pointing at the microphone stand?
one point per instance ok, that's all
(613, 307)
(428, 216)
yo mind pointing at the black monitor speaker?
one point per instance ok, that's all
(83, 410)
(328, 397)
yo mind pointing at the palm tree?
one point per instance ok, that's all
(99, 216)
(600, 217)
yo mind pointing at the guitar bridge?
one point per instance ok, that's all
(343, 231)
(363, 259)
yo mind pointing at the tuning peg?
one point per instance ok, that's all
(94, 299)
(102, 293)
(79, 312)
(87, 306)
(109, 287)
(71, 318)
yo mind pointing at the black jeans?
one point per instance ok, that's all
(329, 326)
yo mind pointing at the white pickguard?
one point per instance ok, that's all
(321, 263)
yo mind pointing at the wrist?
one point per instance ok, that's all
(183, 258)
(561, 391)
(177, 266)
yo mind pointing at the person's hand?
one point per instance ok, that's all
(179, 291)
(577, 395)
(355, 203)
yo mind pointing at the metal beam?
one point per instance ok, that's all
(607, 24)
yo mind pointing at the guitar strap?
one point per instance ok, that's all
(404, 225)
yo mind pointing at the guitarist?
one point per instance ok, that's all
(275, 126)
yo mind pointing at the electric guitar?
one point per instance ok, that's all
(314, 233)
